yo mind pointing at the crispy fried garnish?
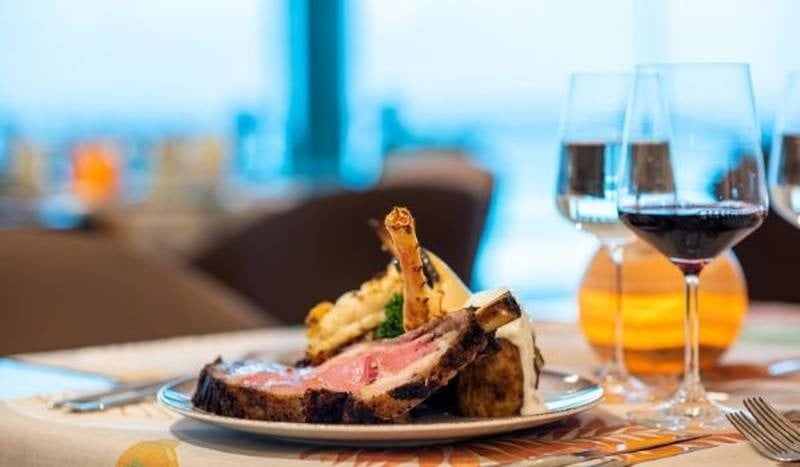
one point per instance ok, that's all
(417, 302)
(354, 315)
(314, 315)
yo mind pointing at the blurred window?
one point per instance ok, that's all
(191, 62)
(492, 75)
(486, 76)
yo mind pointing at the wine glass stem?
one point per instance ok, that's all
(618, 367)
(692, 387)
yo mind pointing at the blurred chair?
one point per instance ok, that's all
(323, 247)
(444, 168)
(769, 257)
(62, 290)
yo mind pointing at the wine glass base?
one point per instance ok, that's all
(682, 415)
(621, 389)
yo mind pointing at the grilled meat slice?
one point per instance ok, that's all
(371, 382)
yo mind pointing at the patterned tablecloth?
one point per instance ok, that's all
(146, 434)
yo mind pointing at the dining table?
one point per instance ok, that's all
(147, 434)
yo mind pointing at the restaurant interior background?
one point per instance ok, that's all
(165, 122)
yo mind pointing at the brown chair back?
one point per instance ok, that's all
(62, 290)
(316, 251)
(769, 257)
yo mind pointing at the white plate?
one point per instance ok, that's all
(564, 394)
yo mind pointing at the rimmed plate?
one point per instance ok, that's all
(563, 394)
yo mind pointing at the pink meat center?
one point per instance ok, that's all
(350, 371)
(353, 371)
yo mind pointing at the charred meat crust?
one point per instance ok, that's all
(324, 406)
(217, 395)
(408, 391)
(358, 412)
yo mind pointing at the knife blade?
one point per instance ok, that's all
(656, 454)
(119, 395)
(560, 460)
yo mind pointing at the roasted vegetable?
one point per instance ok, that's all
(502, 383)
(393, 326)
(492, 385)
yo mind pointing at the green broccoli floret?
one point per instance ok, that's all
(393, 325)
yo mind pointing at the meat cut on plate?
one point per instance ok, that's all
(371, 382)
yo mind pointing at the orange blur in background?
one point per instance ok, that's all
(96, 172)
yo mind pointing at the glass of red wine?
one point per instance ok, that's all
(691, 185)
(586, 194)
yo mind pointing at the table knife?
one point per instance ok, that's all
(650, 457)
(126, 393)
(559, 460)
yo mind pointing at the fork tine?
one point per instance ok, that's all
(771, 424)
(760, 432)
(753, 434)
(755, 440)
(765, 444)
(767, 411)
(782, 451)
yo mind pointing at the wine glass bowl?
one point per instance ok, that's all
(784, 168)
(702, 191)
(591, 139)
(586, 192)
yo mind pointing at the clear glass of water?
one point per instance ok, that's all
(586, 193)
(784, 166)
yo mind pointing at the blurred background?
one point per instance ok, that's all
(199, 132)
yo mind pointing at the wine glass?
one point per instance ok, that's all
(784, 167)
(691, 185)
(586, 194)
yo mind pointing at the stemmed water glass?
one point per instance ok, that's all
(591, 138)
(691, 185)
(784, 167)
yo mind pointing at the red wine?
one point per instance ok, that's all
(691, 236)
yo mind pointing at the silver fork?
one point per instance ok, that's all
(763, 439)
(768, 416)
